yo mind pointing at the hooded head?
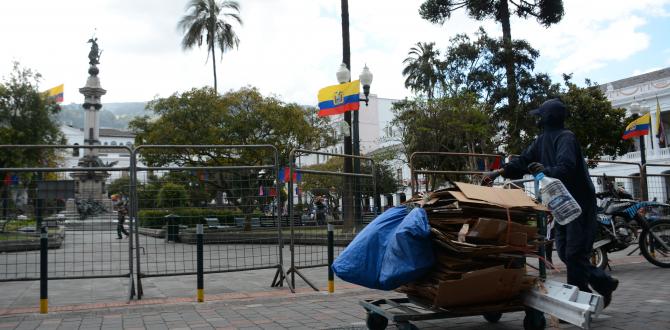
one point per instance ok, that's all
(552, 114)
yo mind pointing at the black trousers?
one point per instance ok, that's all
(574, 243)
(119, 226)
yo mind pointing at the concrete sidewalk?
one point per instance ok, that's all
(642, 301)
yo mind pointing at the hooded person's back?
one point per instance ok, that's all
(558, 150)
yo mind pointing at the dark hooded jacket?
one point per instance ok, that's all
(558, 150)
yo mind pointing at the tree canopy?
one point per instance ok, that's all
(423, 68)
(209, 18)
(242, 117)
(546, 12)
(446, 124)
(27, 116)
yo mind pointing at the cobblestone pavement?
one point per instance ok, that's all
(642, 302)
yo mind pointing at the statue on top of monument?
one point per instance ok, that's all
(94, 54)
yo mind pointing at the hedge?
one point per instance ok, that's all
(189, 216)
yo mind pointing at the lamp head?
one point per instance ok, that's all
(366, 77)
(635, 107)
(343, 74)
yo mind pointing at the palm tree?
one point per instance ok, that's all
(423, 68)
(207, 17)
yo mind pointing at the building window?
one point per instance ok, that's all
(399, 174)
(113, 143)
(105, 143)
(129, 143)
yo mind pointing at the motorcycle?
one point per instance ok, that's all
(623, 222)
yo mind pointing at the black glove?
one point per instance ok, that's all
(534, 168)
(489, 177)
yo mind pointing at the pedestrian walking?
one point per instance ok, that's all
(320, 210)
(121, 207)
(557, 154)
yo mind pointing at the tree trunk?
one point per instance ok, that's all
(214, 66)
(512, 98)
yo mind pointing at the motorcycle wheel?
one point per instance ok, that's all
(651, 247)
(599, 258)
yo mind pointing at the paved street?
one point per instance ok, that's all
(244, 300)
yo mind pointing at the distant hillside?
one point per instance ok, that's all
(112, 115)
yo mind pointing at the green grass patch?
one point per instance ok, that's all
(17, 237)
(14, 225)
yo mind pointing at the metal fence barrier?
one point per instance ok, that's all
(628, 177)
(231, 190)
(73, 205)
(658, 182)
(309, 230)
(459, 166)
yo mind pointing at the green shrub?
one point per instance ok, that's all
(172, 195)
(189, 216)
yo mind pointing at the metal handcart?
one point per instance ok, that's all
(558, 299)
(403, 310)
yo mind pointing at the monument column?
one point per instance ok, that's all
(91, 184)
(92, 92)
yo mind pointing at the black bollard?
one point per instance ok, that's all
(44, 270)
(331, 254)
(201, 281)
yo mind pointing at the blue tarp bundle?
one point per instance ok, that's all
(392, 250)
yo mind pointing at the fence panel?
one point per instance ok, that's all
(72, 200)
(430, 170)
(231, 190)
(611, 174)
(324, 194)
(658, 182)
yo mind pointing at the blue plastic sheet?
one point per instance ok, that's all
(392, 250)
(409, 254)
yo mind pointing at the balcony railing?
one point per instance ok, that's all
(653, 154)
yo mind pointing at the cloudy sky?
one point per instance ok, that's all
(291, 48)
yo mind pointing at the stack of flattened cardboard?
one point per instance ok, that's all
(480, 237)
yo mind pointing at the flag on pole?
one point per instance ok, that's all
(337, 99)
(638, 127)
(56, 93)
(660, 131)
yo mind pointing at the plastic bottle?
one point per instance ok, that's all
(557, 198)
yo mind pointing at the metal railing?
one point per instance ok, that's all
(71, 205)
(309, 237)
(227, 188)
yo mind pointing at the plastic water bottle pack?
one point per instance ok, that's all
(558, 199)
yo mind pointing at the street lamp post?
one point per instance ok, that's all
(343, 76)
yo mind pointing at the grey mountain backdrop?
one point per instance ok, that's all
(112, 115)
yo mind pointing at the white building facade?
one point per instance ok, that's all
(108, 137)
(640, 94)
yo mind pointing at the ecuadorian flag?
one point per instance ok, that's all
(337, 99)
(638, 127)
(56, 93)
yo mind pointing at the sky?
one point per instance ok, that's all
(291, 48)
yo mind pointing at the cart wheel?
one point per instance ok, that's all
(534, 320)
(375, 321)
(492, 317)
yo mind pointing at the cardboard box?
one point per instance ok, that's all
(505, 198)
(486, 229)
(481, 286)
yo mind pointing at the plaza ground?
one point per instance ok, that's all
(245, 300)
